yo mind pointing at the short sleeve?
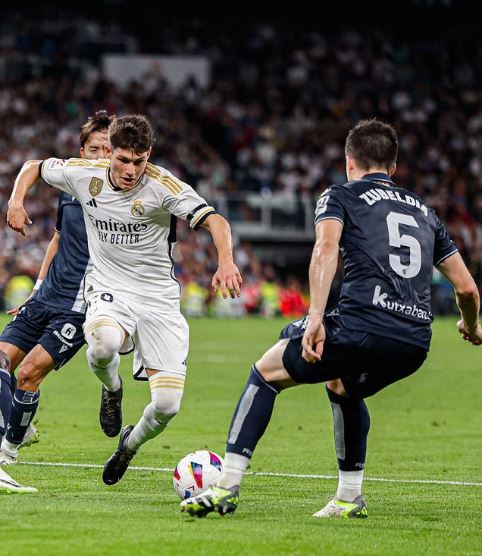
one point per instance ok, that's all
(182, 201)
(55, 172)
(444, 246)
(329, 206)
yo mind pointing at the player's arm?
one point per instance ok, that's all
(323, 265)
(466, 296)
(17, 217)
(227, 276)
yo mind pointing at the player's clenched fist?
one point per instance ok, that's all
(472, 336)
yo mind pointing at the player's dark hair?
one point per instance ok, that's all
(372, 143)
(100, 121)
(132, 132)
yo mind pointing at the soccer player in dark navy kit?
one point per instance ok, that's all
(47, 330)
(380, 332)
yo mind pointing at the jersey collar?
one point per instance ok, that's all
(380, 177)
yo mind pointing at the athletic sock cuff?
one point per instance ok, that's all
(26, 397)
(261, 381)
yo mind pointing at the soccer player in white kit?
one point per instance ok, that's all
(130, 208)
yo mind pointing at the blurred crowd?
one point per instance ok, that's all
(273, 121)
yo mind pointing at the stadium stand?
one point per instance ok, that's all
(262, 141)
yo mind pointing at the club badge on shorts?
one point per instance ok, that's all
(95, 186)
(137, 208)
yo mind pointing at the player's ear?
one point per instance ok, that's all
(392, 169)
(350, 166)
(149, 153)
(82, 152)
(107, 150)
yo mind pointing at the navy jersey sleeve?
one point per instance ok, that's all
(60, 210)
(444, 246)
(330, 206)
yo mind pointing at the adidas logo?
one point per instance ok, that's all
(92, 203)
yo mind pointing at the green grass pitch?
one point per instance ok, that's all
(427, 427)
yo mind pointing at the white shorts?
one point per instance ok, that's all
(161, 340)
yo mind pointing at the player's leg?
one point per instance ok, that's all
(10, 357)
(267, 378)
(162, 342)
(166, 393)
(33, 369)
(108, 321)
(351, 424)
(378, 362)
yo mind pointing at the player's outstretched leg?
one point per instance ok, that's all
(5, 392)
(351, 422)
(249, 422)
(104, 338)
(166, 393)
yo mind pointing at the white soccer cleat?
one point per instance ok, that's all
(32, 436)
(8, 457)
(9, 485)
(340, 508)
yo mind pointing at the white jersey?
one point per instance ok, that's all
(130, 233)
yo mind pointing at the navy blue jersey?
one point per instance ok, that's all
(390, 242)
(64, 284)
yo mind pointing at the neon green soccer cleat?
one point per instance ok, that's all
(340, 508)
(214, 499)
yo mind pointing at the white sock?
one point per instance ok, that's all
(11, 449)
(108, 375)
(166, 394)
(234, 469)
(349, 485)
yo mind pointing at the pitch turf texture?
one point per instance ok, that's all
(425, 428)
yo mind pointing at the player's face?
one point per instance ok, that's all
(94, 146)
(127, 167)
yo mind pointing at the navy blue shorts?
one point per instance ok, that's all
(364, 362)
(58, 332)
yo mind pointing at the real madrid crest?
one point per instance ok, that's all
(95, 186)
(138, 208)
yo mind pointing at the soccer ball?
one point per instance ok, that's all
(196, 472)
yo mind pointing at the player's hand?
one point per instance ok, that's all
(473, 336)
(313, 339)
(17, 219)
(13, 312)
(228, 278)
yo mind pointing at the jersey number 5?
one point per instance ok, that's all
(396, 239)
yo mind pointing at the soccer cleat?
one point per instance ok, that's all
(214, 499)
(119, 461)
(32, 436)
(340, 508)
(110, 414)
(9, 485)
(8, 457)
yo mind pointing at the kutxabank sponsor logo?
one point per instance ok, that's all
(381, 299)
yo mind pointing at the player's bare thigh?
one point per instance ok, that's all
(271, 366)
(15, 354)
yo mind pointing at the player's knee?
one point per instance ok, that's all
(104, 342)
(30, 376)
(4, 361)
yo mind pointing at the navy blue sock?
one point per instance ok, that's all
(5, 400)
(252, 415)
(13, 383)
(24, 406)
(351, 423)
